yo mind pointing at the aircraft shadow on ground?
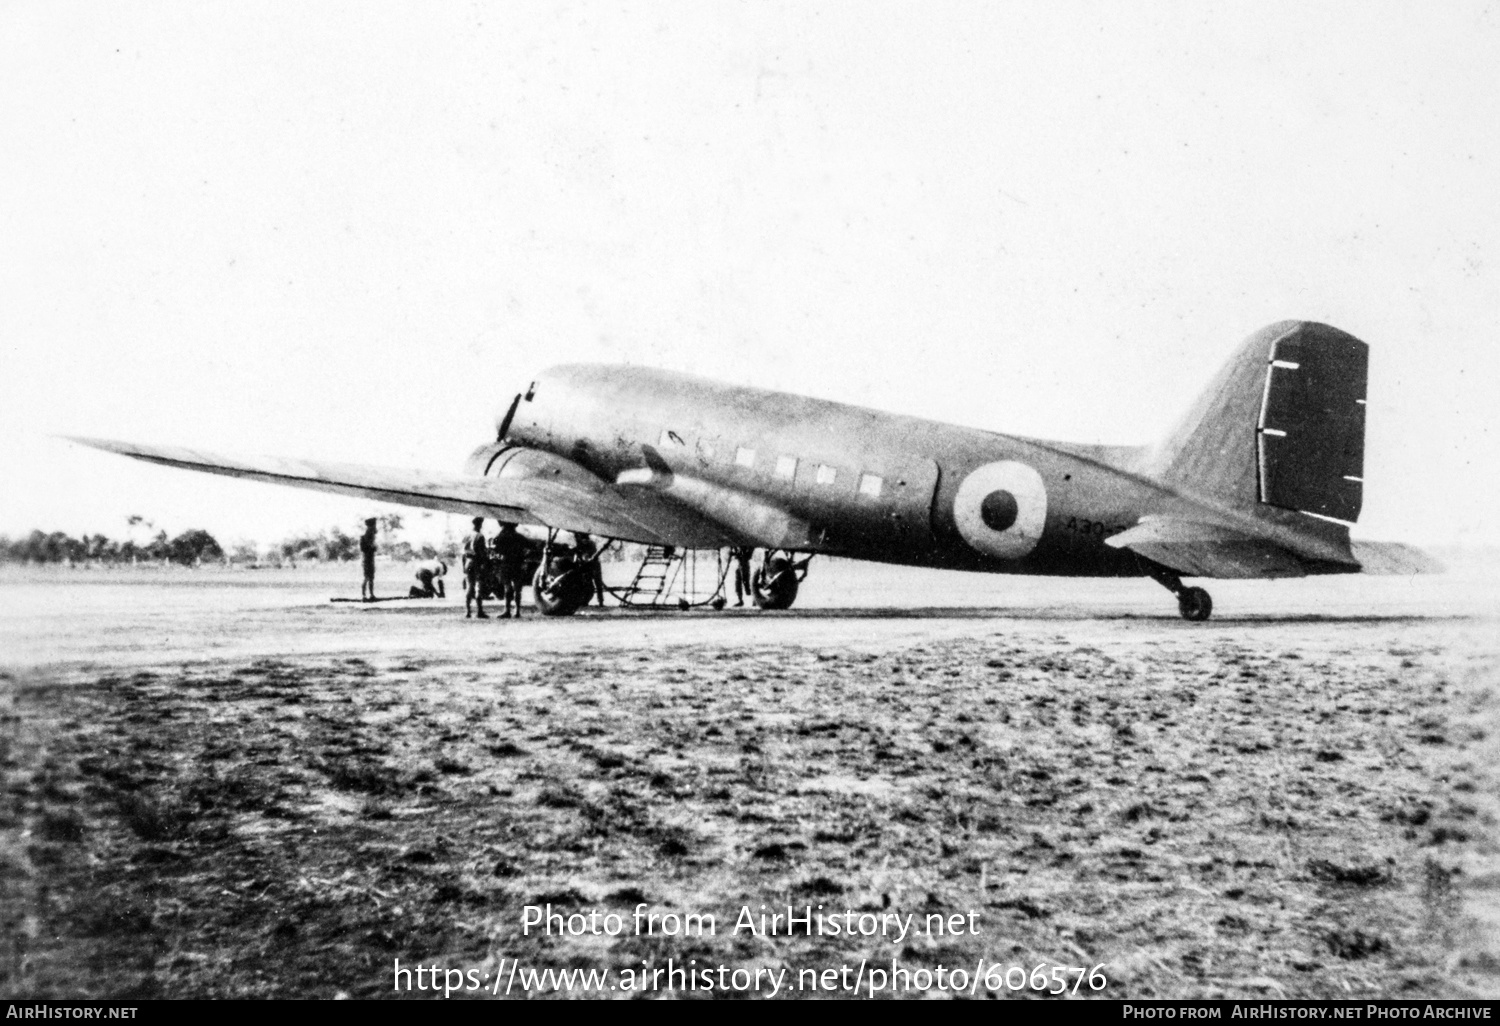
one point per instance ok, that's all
(996, 613)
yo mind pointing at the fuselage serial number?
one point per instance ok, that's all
(1092, 528)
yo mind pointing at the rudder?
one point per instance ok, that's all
(1283, 423)
(1311, 436)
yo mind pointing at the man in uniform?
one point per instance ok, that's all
(430, 576)
(476, 566)
(367, 556)
(587, 553)
(510, 549)
(741, 556)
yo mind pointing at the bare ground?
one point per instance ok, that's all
(264, 798)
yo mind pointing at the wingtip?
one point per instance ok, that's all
(106, 444)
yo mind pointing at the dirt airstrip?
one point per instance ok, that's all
(224, 786)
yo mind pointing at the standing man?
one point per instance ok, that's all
(367, 556)
(587, 553)
(476, 567)
(510, 549)
(741, 556)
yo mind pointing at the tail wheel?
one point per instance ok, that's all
(1195, 604)
(775, 584)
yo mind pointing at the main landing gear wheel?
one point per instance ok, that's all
(1195, 604)
(775, 584)
(561, 588)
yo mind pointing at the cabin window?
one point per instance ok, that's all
(706, 449)
(826, 474)
(670, 439)
(745, 457)
(786, 467)
(869, 484)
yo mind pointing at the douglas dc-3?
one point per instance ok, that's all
(1261, 478)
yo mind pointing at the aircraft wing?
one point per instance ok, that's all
(1201, 549)
(566, 504)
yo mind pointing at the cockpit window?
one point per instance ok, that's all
(510, 415)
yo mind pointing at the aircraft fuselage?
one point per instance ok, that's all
(792, 472)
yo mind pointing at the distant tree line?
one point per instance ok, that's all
(335, 546)
(189, 548)
(195, 547)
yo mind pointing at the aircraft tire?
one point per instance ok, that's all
(1195, 604)
(776, 589)
(563, 595)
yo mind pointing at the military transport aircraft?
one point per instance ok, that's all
(1261, 478)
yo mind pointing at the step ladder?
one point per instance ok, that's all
(652, 577)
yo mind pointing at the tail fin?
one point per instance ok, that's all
(1282, 424)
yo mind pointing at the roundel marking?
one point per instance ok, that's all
(1001, 509)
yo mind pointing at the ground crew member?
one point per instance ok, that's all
(587, 553)
(510, 550)
(476, 565)
(430, 579)
(741, 557)
(367, 555)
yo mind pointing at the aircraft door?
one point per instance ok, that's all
(896, 503)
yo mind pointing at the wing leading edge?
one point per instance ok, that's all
(567, 505)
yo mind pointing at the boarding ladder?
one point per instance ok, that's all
(651, 577)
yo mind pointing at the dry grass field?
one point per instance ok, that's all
(219, 784)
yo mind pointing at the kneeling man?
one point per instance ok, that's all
(430, 576)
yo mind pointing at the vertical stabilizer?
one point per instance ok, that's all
(1282, 424)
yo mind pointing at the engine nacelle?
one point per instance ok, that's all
(504, 460)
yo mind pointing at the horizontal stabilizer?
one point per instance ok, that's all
(1394, 558)
(1198, 549)
(1155, 530)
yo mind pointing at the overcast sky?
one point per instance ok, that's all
(354, 231)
